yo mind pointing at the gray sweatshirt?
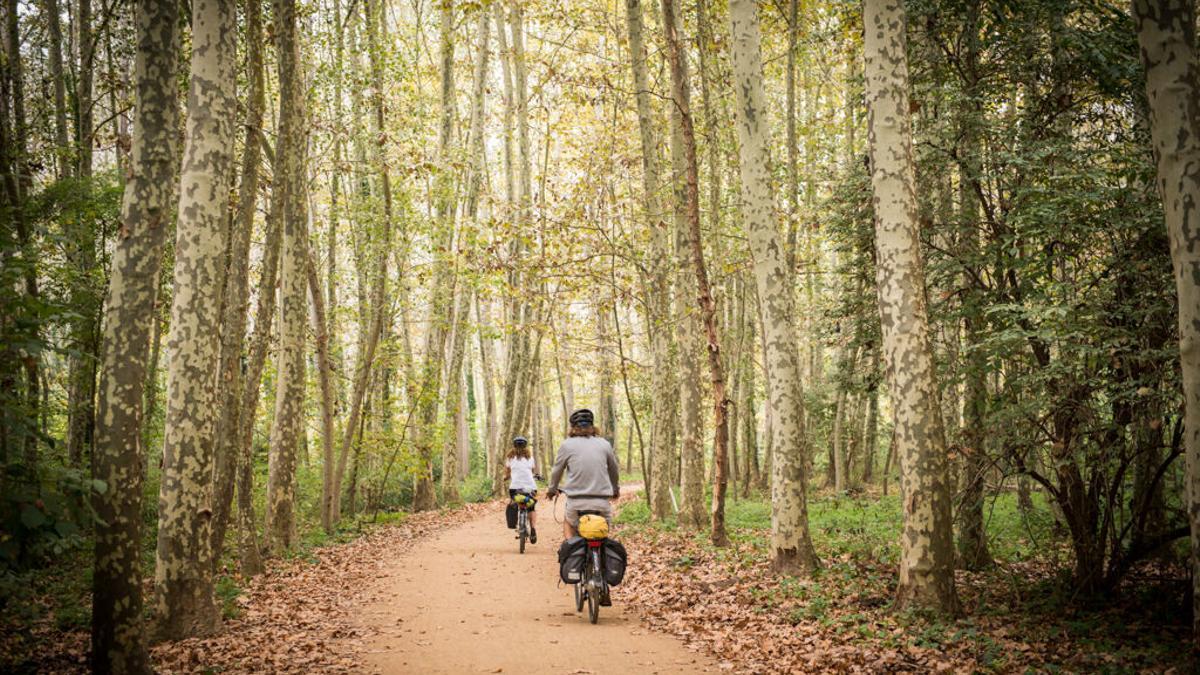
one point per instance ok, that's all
(591, 466)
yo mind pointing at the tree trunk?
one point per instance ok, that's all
(608, 408)
(455, 396)
(19, 185)
(443, 300)
(378, 299)
(292, 178)
(836, 456)
(927, 547)
(118, 638)
(55, 64)
(321, 337)
(264, 315)
(81, 394)
(791, 546)
(688, 327)
(237, 289)
(694, 465)
(1167, 36)
(749, 409)
(972, 544)
(871, 435)
(487, 358)
(658, 305)
(184, 604)
(793, 152)
(84, 125)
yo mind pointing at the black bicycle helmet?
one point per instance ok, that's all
(582, 418)
(520, 442)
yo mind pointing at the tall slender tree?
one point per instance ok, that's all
(927, 547)
(689, 328)
(237, 286)
(443, 290)
(662, 401)
(291, 180)
(183, 601)
(694, 466)
(1167, 36)
(118, 637)
(791, 545)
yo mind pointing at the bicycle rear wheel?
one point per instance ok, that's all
(523, 530)
(593, 606)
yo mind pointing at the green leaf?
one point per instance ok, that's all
(32, 517)
(99, 486)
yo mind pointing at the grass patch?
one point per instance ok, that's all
(228, 590)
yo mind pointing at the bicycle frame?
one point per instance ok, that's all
(522, 524)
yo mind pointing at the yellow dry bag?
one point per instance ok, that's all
(593, 527)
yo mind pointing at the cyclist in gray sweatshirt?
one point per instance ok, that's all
(593, 476)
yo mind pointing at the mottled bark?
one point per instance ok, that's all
(237, 288)
(184, 604)
(291, 179)
(118, 637)
(927, 548)
(1167, 37)
(793, 151)
(791, 546)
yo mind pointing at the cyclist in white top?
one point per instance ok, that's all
(519, 471)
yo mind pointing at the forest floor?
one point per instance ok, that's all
(468, 602)
(447, 592)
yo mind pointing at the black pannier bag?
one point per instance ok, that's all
(510, 515)
(572, 556)
(614, 560)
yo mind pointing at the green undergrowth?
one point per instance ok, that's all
(1020, 614)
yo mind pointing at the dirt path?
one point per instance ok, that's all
(466, 601)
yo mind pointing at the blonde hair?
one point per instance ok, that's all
(520, 452)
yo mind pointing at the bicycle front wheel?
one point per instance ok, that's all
(578, 596)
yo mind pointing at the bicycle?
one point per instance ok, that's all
(523, 502)
(593, 586)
